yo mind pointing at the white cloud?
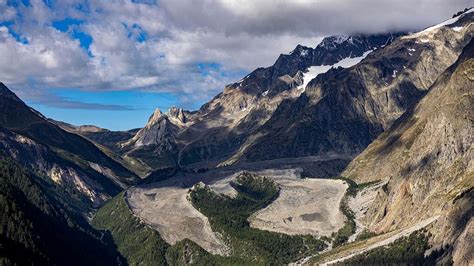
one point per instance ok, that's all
(237, 35)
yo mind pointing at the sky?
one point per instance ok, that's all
(111, 63)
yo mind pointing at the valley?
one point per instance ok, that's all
(356, 151)
(304, 207)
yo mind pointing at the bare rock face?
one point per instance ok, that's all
(154, 132)
(156, 144)
(160, 128)
(93, 188)
(427, 158)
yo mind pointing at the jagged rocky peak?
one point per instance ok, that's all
(331, 42)
(159, 128)
(177, 113)
(330, 51)
(301, 50)
(463, 11)
(157, 114)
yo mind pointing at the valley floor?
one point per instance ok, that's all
(168, 211)
(304, 206)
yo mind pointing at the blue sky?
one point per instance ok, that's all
(111, 63)
(133, 110)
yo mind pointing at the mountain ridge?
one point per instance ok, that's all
(66, 157)
(426, 157)
(221, 126)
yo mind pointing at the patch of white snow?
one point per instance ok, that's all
(242, 79)
(304, 53)
(314, 71)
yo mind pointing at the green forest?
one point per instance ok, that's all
(230, 217)
(409, 250)
(38, 224)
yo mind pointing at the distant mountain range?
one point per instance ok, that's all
(395, 108)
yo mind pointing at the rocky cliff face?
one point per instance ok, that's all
(427, 158)
(156, 144)
(94, 188)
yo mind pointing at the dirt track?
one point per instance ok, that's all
(382, 240)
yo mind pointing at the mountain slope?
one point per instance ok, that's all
(69, 159)
(20, 118)
(41, 225)
(427, 158)
(98, 135)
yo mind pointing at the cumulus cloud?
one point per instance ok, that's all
(161, 45)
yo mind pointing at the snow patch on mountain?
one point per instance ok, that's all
(314, 71)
